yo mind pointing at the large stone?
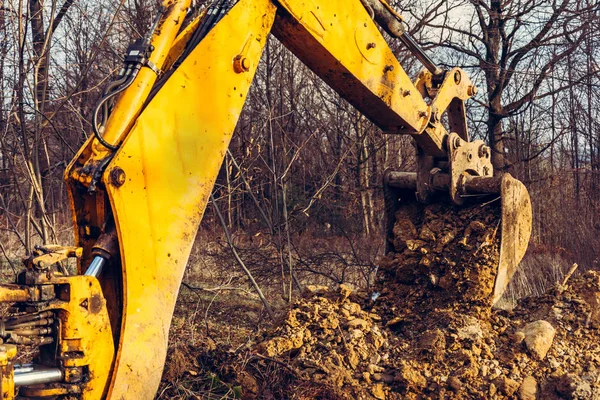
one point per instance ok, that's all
(506, 385)
(538, 338)
(528, 389)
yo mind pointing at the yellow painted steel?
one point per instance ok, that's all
(339, 41)
(171, 159)
(86, 339)
(7, 383)
(181, 40)
(130, 103)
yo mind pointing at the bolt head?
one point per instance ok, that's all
(117, 177)
(457, 142)
(241, 64)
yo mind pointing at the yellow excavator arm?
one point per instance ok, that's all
(140, 185)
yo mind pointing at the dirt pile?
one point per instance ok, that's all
(548, 347)
(429, 331)
(443, 254)
(331, 340)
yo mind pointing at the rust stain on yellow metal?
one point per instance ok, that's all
(13, 293)
(171, 159)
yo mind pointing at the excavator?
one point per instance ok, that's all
(140, 184)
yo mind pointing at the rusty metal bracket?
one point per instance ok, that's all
(44, 257)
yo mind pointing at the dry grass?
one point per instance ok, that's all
(537, 273)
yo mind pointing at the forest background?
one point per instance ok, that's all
(300, 190)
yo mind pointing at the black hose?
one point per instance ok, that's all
(107, 91)
(130, 77)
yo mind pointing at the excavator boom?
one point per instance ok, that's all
(139, 187)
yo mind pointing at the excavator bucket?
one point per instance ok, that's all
(515, 219)
(516, 230)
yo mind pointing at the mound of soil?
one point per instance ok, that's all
(443, 254)
(430, 331)
(548, 347)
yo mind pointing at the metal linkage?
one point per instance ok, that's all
(33, 375)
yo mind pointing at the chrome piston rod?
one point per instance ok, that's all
(28, 375)
(95, 268)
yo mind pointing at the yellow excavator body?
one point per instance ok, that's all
(140, 185)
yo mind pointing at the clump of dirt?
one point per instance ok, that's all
(443, 254)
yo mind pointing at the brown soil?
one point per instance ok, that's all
(431, 334)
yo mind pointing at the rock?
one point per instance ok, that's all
(434, 341)
(403, 230)
(410, 377)
(366, 377)
(518, 337)
(528, 389)
(358, 323)
(378, 391)
(538, 337)
(374, 369)
(506, 386)
(484, 370)
(345, 291)
(315, 289)
(496, 372)
(427, 234)
(471, 330)
(455, 383)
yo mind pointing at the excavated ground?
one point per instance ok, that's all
(429, 333)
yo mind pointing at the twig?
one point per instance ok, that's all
(215, 289)
(568, 276)
(7, 258)
(239, 260)
(275, 361)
